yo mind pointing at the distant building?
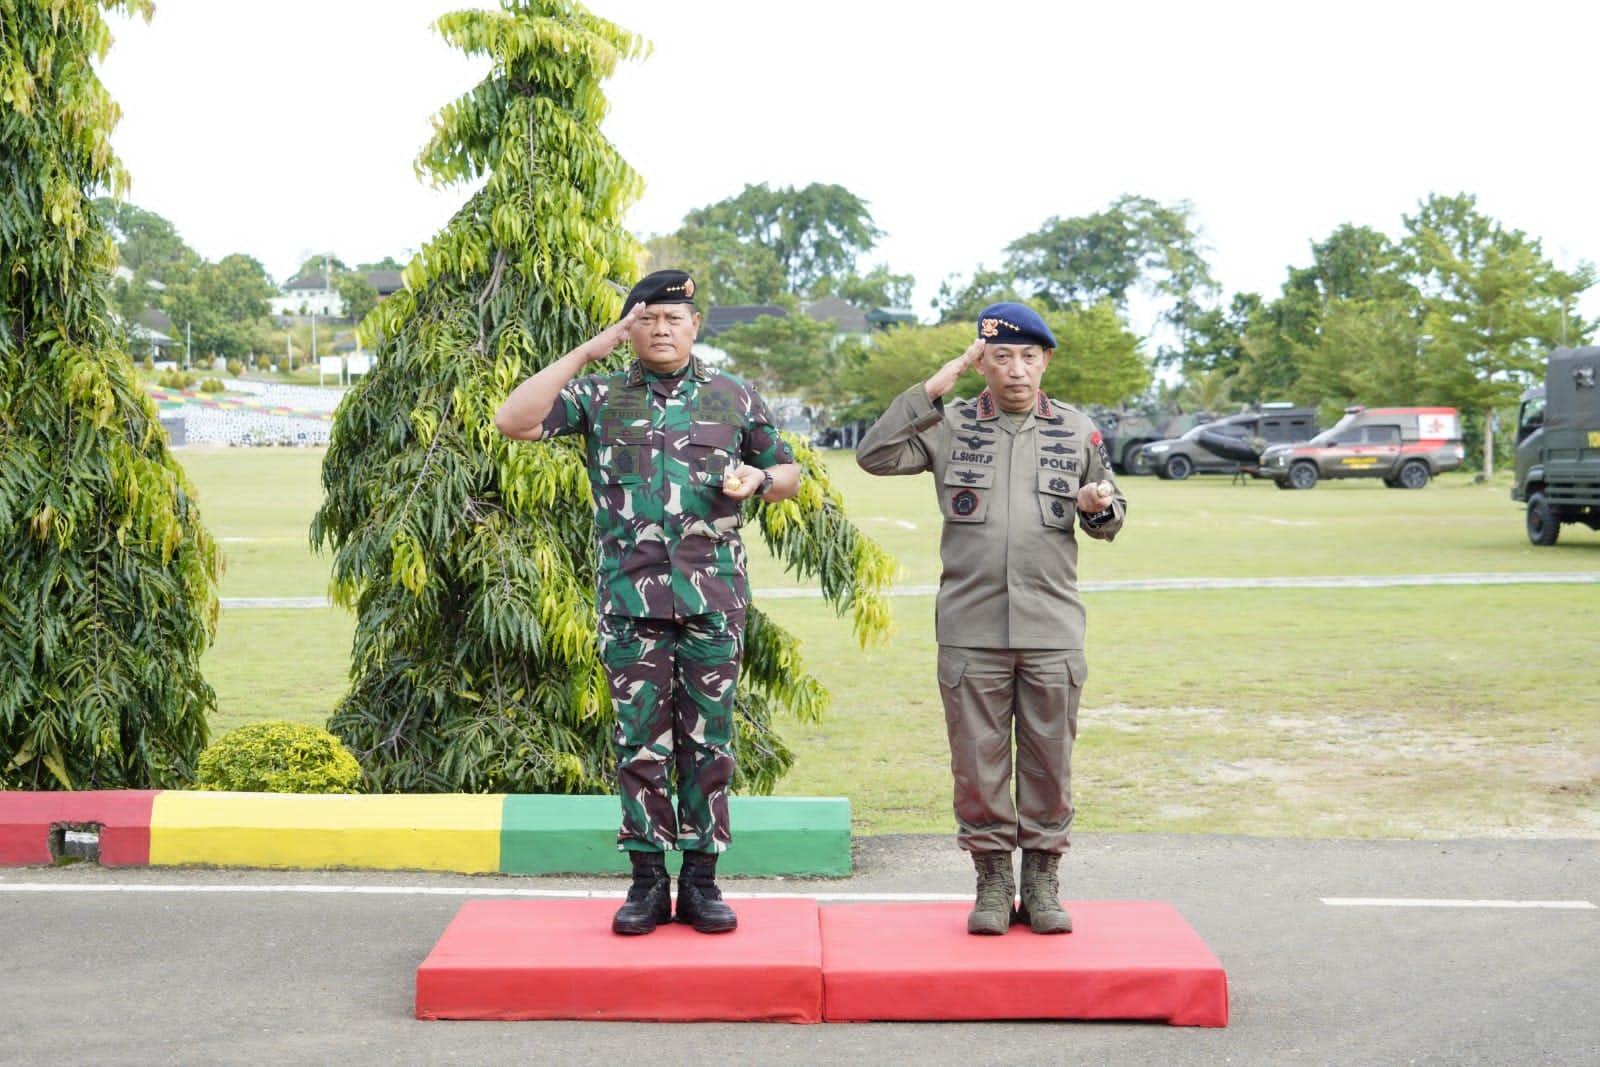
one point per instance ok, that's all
(150, 336)
(722, 319)
(313, 293)
(847, 319)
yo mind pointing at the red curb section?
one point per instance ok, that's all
(123, 816)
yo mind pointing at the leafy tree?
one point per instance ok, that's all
(900, 357)
(358, 293)
(107, 578)
(816, 233)
(726, 269)
(324, 263)
(226, 306)
(878, 288)
(467, 557)
(1354, 263)
(1096, 361)
(386, 263)
(793, 355)
(958, 302)
(1366, 352)
(1136, 243)
(1204, 390)
(1493, 304)
(1217, 337)
(150, 251)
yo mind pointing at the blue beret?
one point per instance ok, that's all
(1014, 324)
(661, 287)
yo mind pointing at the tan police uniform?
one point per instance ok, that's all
(1009, 621)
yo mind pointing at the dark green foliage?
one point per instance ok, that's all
(279, 757)
(467, 557)
(107, 578)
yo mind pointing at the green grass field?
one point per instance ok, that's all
(1399, 711)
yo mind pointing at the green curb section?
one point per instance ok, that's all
(771, 836)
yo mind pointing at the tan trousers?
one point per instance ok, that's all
(992, 697)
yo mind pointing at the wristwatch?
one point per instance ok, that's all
(766, 483)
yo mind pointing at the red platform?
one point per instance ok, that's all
(515, 959)
(790, 961)
(1123, 960)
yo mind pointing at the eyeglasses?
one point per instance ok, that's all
(1004, 359)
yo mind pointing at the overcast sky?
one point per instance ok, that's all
(282, 129)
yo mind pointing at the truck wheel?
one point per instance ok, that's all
(1415, 475)
(1133, 461)
(1543, 526)
(1179, 468)
(1303, 475)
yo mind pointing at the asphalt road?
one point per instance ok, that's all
(167, 966)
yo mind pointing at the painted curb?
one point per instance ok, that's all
(471, 834)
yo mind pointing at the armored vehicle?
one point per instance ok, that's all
(1230, 444)
(1405, 447)
(1127, 430)
(1558, 446)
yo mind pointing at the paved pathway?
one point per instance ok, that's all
(1337, 952)
(1357, 581)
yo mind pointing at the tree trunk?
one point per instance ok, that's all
(1488, 444)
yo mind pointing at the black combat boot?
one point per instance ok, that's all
(1041, 906)
(997, 891)
(699, 900)
(649, 898)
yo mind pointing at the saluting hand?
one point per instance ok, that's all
(944, 379)
(605, 342)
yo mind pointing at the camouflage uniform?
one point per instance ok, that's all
(671, 589)
(1008, 619)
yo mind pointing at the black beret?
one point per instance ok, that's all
(661, 287)
(1014, 324)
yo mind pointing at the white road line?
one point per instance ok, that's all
(447, 891)
(1424, 902)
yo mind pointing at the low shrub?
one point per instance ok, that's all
(276, 756)
(213, 385)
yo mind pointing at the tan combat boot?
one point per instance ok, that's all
(1041, 904)
(997, 891)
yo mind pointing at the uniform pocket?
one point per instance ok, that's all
(951, 666)
(710, 453)
(964, 496)
(1058, 498)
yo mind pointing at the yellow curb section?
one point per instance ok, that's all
(443, 832)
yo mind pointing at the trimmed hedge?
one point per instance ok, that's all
(279, 757)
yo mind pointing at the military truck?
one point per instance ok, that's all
(1405, 447)
(1127, 430)
(1558, 446)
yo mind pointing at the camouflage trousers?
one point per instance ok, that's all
(673, 683)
